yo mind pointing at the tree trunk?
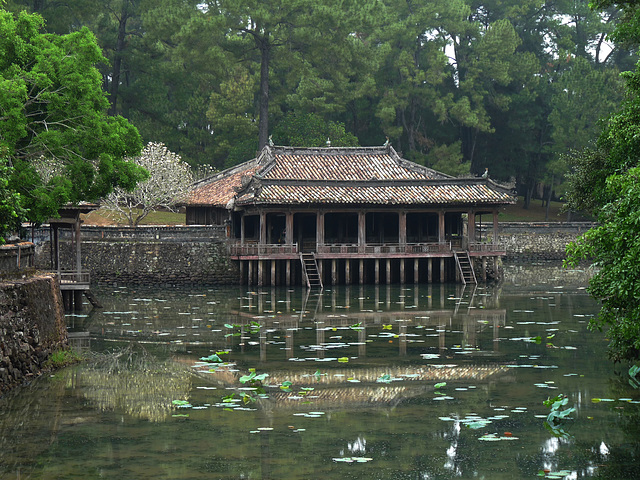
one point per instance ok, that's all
(546, 212)
(263, 125)
(117, 57)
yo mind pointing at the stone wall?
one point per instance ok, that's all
(149, 262)
(539, 241)
(32, 326)
(16, 257)
(198, 255)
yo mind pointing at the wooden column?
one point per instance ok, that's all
(334, 272)
(442, 273)
(416, 271)
(495, 227)
(484, 269)
(402, 228)
(388, 271)
(242, 271)
(362, 221)
(260, 273)
(377, 275)
(242, 230)
(347, 271)
(402, 279)
(250, 273)
(288, 236)
(273, 273)
(441, 236)
(320, 228)
(361, 272)
(78, 238)
(472, 226)
(263, 229)
(288, 273)
(430, 270)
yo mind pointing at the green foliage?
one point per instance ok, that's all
(11, 211)
(52, 107)
(456, 84)
(556, 418)
(62, 358)
(633, 376)
(614, 247)
(311, 130)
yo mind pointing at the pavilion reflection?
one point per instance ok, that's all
(443, 308)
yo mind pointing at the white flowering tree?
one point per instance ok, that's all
(168, 183)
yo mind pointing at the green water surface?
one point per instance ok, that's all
(399, 382)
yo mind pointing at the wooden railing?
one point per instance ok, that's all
(75, 277)
(249, 249)
(253, 249)
(385, 248)
(487, 247)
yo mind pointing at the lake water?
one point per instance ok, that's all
(426, 382)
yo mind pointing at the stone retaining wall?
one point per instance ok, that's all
(540, 240)
(150, 262)
(16, 257)
(32, 326)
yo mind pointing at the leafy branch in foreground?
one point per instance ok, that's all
(614, 248)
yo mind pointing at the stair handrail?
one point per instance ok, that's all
(304, 270)
(473, 272)
(455, 255)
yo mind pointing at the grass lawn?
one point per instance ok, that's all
(535, 213)
(102, 217)
(512, 213)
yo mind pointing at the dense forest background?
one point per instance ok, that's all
(458, 85)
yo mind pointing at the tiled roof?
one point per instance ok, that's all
(371, 175)
(438, 194)
(219, 189)
(343, 164)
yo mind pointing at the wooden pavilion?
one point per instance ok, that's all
(347, 215)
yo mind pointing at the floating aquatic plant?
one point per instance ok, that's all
(557, 415)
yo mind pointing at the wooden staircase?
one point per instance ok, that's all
(310, 270)
(465, 267)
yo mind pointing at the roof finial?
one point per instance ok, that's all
(486, 173)
(386, 144)
(271, 140)
(328, 142)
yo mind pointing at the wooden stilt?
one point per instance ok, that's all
(388, 271)
(273, 272)
(334, 272)
(288, 273)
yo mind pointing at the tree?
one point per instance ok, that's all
(169, 181)
(10, 209)
(606, 179)
(311, 130)
(614, 247)
(52, 106)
